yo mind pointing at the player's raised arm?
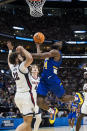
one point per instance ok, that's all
(27, 55)
(10, 47)
(52, 53)
(38, 48)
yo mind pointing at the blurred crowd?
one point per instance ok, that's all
(7, 92)
(72, 79)
(54, 26)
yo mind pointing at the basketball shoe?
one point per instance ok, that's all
(53, 116)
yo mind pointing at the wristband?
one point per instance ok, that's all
(10, 51)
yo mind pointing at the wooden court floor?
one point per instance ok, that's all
(62, 128)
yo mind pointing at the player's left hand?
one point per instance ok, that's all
(19, 49)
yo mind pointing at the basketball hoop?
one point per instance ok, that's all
(36, 7)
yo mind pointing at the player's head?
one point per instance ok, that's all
(57, 45)
(15, 58)
(76, 97)
(34, 69)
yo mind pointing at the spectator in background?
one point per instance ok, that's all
(73, 107)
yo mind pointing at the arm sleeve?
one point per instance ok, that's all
(10, 51)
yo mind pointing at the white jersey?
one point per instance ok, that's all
(84, 105)
(85, 96)
(85, 93)
(34, 83)
(20, 75)
(23, 97)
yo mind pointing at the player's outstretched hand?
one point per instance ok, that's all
(9, 45)
(37, 45)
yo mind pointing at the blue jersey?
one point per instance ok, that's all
(51, 67)
(49, 80)
(78, 98)
(74, 107)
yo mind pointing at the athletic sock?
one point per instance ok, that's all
(51, 110)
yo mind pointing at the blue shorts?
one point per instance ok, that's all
(72, 115)
(54, 85)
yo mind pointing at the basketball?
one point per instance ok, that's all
(39, 38)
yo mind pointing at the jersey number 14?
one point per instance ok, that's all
(45, 64)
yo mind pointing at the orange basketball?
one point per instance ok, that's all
(39, 38)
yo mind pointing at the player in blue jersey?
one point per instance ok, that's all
(74, 108)
(49, 79)
(72, 115)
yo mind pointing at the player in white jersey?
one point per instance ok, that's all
(83, 108)
(34, 79)
(23, 97)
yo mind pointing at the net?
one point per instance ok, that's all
(36, 7)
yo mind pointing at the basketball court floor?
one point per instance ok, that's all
(62, 128)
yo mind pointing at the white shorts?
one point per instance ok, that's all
(24, 103)
(84, 108)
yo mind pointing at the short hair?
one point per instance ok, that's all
(56, 46)
(12, 57)
(33, 65)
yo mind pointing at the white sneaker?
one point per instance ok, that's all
(71, 129)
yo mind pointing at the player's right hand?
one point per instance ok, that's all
(37, 45)
(9, 45)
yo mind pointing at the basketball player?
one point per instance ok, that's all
(23, 97)
(73, 110)
(34, 79)
(83, 108)
(49, 80)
